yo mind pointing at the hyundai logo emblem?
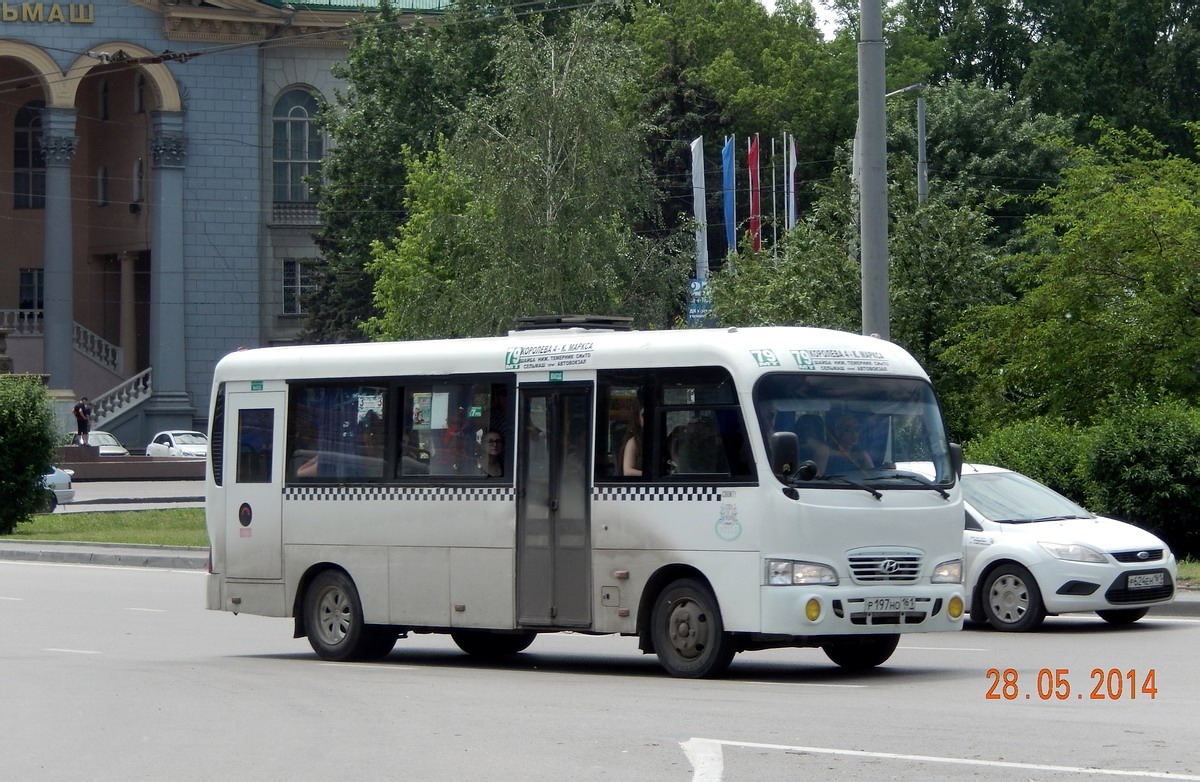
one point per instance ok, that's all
(1143, 555)
(889, 566)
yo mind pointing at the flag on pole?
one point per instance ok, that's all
(755, 205)
(698, 208)
(789, 185)
(728, 189)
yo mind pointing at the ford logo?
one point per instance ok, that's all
(1143, 555)
(889, 566)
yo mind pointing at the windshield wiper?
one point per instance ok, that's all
(849, 482)
(921, 479)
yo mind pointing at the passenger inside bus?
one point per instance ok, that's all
(811, 433)
(491, 463)
(631, 449)
(846, 454)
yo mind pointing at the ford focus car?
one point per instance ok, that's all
(1031, 552)
(59, 489)
(178, 443)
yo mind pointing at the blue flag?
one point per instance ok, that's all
(728, 186)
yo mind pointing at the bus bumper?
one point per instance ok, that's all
(798, 610)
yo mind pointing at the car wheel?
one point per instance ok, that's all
(51, 501)
(333, 619)
(858, 654)
(1122, 616)
(1011, 599)
(688, 633)
(489, 645)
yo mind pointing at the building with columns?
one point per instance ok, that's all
(154, 214)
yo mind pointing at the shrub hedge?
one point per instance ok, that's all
(27, 439)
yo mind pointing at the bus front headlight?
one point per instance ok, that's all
(786, 572)
(948, 572)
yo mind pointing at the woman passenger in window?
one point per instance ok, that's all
(492, 462)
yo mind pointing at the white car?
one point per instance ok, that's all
(179, 443)
(1030, 552)
(58, 488)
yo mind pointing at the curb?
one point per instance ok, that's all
(125, 555)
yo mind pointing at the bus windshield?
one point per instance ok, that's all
(856, 430)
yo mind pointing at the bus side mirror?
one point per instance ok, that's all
(956, 459)
(785, 453)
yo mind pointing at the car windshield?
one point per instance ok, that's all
(102, 438)
(190, 438)
(1014, 498)
(855, 429)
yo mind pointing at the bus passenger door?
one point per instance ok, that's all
(553, 519)
(253, 475)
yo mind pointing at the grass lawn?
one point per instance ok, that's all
(171, 527)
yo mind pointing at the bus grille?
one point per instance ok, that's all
(884, 566)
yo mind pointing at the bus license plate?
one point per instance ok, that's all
(1145, 580)
(886, 605)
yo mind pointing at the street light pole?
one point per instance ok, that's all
(922, 162)
(872, 206)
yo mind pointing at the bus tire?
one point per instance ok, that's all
(489, 645)
(859, 654)
(333, 618)
(688, 632)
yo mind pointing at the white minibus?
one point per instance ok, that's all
(708, 491)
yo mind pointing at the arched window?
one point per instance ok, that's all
(297, 147)
(29, 159)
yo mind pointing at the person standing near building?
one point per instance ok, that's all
(83, 419)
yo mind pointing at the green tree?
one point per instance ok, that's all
(530, 207)
(1109, 294)
(406, 86)
(27, 439)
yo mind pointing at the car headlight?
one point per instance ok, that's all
(1073, 552)
(787, 572)
(948, 572)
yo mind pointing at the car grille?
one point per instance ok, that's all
(1120, 592)
(1152, 555)
(884, 566)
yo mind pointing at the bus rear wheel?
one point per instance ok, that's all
(333, 620)
(688, 632)
(859, 654)
(489, 645)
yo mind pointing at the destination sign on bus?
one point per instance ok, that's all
(548, 356)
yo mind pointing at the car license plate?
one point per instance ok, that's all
(1145, 580)
(884, 605)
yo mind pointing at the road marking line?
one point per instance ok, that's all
(942, 649)
(148, 610)
(708, 764)
(72, 651)
(14, 599)
(808, 684)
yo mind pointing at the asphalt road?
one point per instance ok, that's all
(125, 669)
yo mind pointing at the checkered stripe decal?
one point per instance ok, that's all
(657, 493)
(405, 493)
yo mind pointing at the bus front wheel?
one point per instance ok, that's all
(333, 618)
(688, 633)
(860, 654)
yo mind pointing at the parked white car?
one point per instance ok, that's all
(1031, 552)
(59, 489)
(179, 443)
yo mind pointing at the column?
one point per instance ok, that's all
(128, 314)
(58, 263)
(169, 405)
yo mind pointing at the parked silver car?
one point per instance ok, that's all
(108, 444)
